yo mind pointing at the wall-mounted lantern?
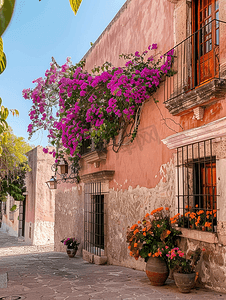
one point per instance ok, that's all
(66, 173)
(52, 183)
(63, 166)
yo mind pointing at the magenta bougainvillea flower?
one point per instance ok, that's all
(74, 105)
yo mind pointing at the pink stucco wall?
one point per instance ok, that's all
(144, 176)
(40, 204)
(134, 29)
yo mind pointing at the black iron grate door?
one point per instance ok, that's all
(94, 219)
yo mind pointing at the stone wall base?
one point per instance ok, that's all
(94, 259)
(3, 280)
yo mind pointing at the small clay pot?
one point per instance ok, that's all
(71, 252)
(184, 282)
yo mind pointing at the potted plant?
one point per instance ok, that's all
(183, 268)
(197, 218)
(72, 246)
(151, 239)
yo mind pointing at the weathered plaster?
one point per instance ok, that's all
(43, 233)
(69, 216)
(10, 222)
(126, 207)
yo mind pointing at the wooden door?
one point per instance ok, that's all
(209, 186)
(207, 39)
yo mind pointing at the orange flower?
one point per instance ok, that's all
(144, 229)
(196, 276)
(167, 208)
(168, 232)
(158, 225)
(131, 253)
(214, 211)
(208, 224)
(174, 221)
(153, 212)
(186, 206)
(149, 254)
(135, 231)
(139, 222)
(135, 245)
(144, 234)
(129, 247)
(196, 205)
(134, 226)
(215, 215)
(146, 215)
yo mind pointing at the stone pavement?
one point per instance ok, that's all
(51, 275)
(11, 245)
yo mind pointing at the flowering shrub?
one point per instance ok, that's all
(178, 262)
(74, 105)
(71, 243)
(153, 236)
(196, 218)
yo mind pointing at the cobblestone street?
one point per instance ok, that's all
(38, 273)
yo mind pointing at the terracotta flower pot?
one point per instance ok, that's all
(71, 252)
(157, 270)
(184, 282)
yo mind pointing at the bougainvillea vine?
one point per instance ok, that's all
(74, 105)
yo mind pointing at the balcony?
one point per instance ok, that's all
(198, 69)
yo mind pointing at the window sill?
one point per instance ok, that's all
(202, 95)
(202, 236)
(94, 157)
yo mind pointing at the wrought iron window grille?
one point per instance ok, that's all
(196, 189)
(94, 218)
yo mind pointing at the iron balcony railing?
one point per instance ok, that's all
(196, 60)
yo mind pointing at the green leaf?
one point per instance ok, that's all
(14, 112)
(3, 124)
(75, 5)
(6, 12)
(13, 208)
(4, 113)
(2, 62)
(4, 139)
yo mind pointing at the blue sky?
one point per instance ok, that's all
(38, 31)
